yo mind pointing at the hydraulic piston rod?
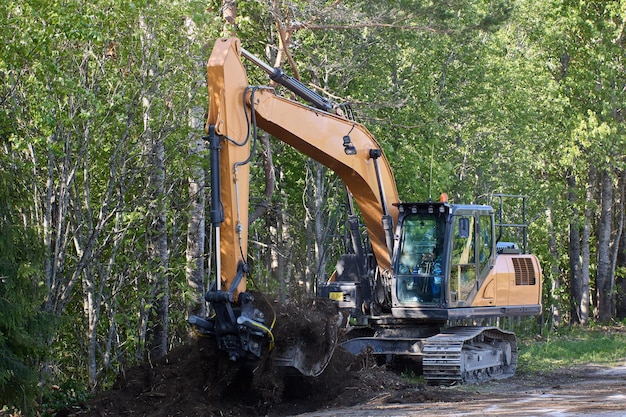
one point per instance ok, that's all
(279, 76)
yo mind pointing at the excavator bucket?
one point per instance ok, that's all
(306, 335)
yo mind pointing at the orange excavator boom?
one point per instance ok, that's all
(344, 146)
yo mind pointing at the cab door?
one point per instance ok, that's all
(471, 255)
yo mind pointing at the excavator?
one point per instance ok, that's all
(421, 283)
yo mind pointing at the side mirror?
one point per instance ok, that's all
(464, 227)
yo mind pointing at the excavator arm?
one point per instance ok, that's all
(344, 146)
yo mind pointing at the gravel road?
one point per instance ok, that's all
(585, 391)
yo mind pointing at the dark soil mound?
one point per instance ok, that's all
(199, 380)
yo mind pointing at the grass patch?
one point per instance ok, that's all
(572, 346)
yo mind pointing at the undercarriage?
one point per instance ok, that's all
(457, 354)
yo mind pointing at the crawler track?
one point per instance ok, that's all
(469, 354)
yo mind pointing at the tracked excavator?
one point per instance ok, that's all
(411, 289)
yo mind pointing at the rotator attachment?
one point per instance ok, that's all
(239, 328)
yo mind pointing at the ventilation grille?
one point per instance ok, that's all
(524, 271)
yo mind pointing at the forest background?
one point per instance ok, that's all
(104, 247)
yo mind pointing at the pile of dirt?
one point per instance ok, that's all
(198, 379)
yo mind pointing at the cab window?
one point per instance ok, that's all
(485, 242)
(463, 259)
(419, 266)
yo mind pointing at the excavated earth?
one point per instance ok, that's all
(198, 380)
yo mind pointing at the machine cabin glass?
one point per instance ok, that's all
(420, 261)
(471, 254)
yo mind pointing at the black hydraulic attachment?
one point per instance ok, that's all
(238, 328)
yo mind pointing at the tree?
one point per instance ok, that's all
(23, 327)
(79, 115)
(590, 70)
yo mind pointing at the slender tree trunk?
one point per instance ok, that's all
(554, 272)
(603, 279)
(158, 255)
(91, 310)
(585, 301)
(115, 284)
(321, 243)
(83, 224)
(309, 261)
(156, 228)
(275, 240)
(620, 283)
(196, 226)
(196, 234)
(281, 241)
(60, 177)
(617, 241)
(574, 253)
(49, 264)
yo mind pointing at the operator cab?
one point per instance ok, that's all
(442, 254)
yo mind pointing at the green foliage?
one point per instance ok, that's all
(24, 329)
(571, 347)
(70, 393)
(74, 75)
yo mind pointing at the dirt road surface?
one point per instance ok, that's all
(585, 391)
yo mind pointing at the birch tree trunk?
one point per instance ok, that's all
(196, 226)
(310, 276)
(154, 323)
(196, 231)
(555, 276)
(56, 232)
(159, 256)
(585, 301)
(574, 253)
(319, 192)
(617, 240)
(279, 247)
(603, 279)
